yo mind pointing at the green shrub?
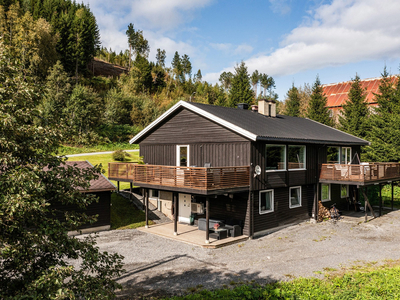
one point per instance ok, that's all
(119, 155)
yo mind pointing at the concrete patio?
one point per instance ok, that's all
(190, 235)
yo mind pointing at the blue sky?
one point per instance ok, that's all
(290, 40)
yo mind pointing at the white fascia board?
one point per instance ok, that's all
(201, 112)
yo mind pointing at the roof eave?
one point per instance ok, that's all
(309, 141)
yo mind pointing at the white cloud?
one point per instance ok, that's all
(243, 49)
(338, 33)
(280, 6)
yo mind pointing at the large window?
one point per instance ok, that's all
(346, 155)
(266, 201)
(295, 196)
(333, 155)
(297, 157)
(275, 157)
(325, 192)
(344, 190)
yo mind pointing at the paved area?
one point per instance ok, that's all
(159, 266)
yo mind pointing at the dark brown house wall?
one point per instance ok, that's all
(186, 127)
(283, 214)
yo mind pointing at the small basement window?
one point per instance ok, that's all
(153, 194)
(275, 157)
(297, 157)
(266, 201)
(295, 196)
(325, 192)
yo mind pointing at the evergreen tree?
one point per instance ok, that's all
(226, 80)
(255, 79)
(240, 91)
(354, 116)
(198, 77)
(267, 83)
(160, 57)
(317, 109)
(186, 66)
(384, 133)
(293, 102)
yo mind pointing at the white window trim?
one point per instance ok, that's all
(305, 158)
(151, 194)
(178, 155)
(348, 158)
(329, 192)
(290, 202)
(347, 189)
(281, 170)
(259, 202)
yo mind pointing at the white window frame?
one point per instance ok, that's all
(347, 189)
(348, 159)
(178, 155)
(290, 192)
(151, 194)
(280, 170)
(272, 202)
(305, 158)
(329, 192)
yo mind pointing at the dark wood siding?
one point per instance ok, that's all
(186, 127)
(226, 208)
(282, 213)
(340, 203)
(101, 208)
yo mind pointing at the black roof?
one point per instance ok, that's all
(281, 128)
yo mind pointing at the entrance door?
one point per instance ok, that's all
(346, 155)
(182, 156)
(185, 200)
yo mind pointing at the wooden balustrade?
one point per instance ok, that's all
(365, 172)
(182, 177)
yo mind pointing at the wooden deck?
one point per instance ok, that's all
(191, 179)
(362, 174)
(190, 235)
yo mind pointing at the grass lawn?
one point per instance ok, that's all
(367, 281)
(104, 159)
(125, 215)
(66, 150)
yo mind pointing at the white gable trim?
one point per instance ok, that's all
(201, 112)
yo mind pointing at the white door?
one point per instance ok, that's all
(346, 155)
(184, 208)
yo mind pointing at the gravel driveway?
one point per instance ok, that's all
(159, 266)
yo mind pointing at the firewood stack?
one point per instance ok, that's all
(323, 212)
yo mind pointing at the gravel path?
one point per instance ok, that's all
(157, 266)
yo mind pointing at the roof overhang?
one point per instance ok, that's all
(195, 109)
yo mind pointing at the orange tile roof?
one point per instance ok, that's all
(337, 92)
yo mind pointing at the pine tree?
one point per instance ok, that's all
(240, 91)
(384, 134)
(255, 79)
(293, 102)
(354, 116)
(317, 109)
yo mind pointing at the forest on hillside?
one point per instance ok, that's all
(56, 40)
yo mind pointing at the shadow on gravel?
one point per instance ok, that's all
(145, 283)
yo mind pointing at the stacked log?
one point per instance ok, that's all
(323, 212)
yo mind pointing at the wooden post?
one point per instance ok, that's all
(392, 194)
(130, 191)
(175, 214)
(207, 219)
(367, 203)
(118, 186)
(147, 207)
(380, 199)
(316, 201)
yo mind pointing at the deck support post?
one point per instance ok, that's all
(392, 194)
(315, 210)
(146, 195)
(130, 191)
(175, 199)
(118, 187)
(207, 219)
(369, 205)
(380, 199)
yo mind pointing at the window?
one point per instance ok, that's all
(182, 158)
(325, 192)
(344, 191)
(332, 155)
(346, 155)
(295, 197)
(153, 194)
(297, 157)
(275, 157)
(266, 201)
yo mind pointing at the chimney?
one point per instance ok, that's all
(267, 107)
(243, 106)
(254, 108)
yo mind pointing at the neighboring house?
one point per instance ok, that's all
(100, 187)
(337, 94)
(253, 168)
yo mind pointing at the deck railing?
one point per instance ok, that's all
(182, 177)
(365, 172)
